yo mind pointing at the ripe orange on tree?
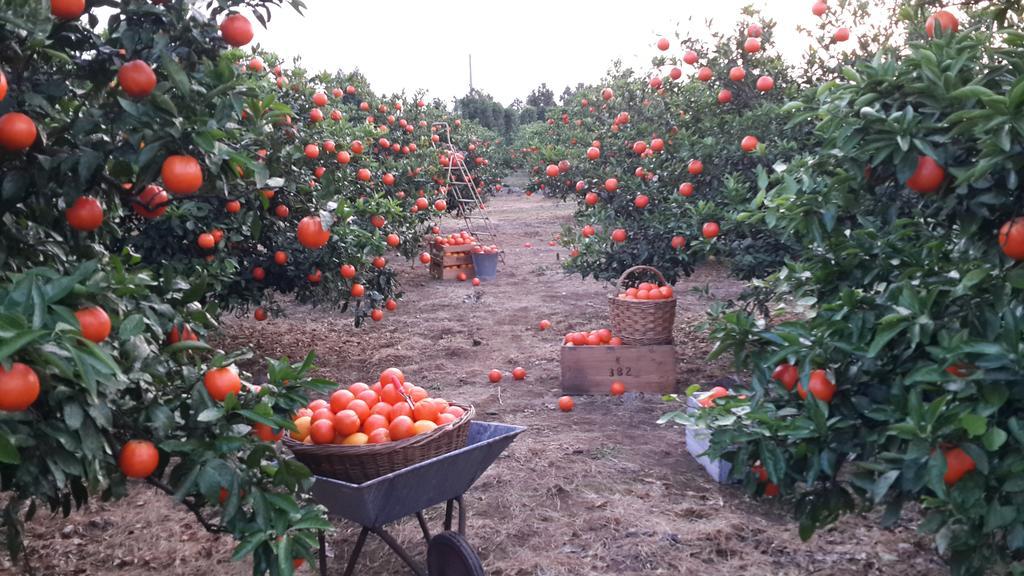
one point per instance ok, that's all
(67, 9)
(236, 30)
(17, 132)
(787, 375)
(819, 385)
(94, 323)
(357, 290)
(280, 257)
(85, 214)
(137, 79)
(958, 464)
(138, 459)
(710, 230)
(946, 21)
(19, 387)
(181, 174)
(220, 382)
(311, 233)
(152, 202)
(927, 177)
(1011, 238)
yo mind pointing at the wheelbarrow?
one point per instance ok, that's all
(412, 490)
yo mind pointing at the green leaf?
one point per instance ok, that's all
(11, 345)
(882, 485)
(974, 424)
(176, 74)
(211, 414)
(994, 439)
(8, 453)
(883, 336)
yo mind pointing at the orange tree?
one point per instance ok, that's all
(686, 146)
(896, 377)
(147, 185)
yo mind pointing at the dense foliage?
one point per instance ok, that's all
(153, 176)
(895, 376)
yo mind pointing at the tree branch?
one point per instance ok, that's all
(194, 507)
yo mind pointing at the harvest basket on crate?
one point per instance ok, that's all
(642, 322)
(360, 463)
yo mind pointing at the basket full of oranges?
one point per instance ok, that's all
(645, 313)
(363, 432)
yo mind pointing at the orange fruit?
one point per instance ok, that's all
(67, 9)
(280, 257)
(370, 397)
(85, 214)
(318, 404)
(618, 388)
(346, 422)
(152, 202)
(382, 409)
(322, 414)
(358, 387)
(220, 382)
(391, 394)
(378, 436)
(787, 375)
(565, 404)
(356, 439)
(709, 230)
(181, 174)
(19, 387)
(302, 425)
(958, 463)
(311, 233)
(927, 177)
(236, 30)
(17, 132)
(425, 410)
(266, 433)
(402, 427)
(373, 422)
(138, 459)
(360, 407)
(423, 426)
(322, 432)
(519, 373)
(136, 78)
(400, 409)
(340, 400)
(94, 323)
(1011, 238)
(820, 386)
(494, 376)
(946, 22)
(358, 290)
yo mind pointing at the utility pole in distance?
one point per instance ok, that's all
(471, 73)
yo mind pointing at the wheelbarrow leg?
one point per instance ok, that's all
(462, 515)
(394, 545)
(354, 557)
(448, 515)
(323, 552)
(423, 526)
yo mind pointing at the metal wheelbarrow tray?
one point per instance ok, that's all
(411, 490)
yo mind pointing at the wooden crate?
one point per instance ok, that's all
(592, 369)
(447, 261)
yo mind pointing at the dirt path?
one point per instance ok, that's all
(601, 490)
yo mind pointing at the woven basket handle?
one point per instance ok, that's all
(627, 273)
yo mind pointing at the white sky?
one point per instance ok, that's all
(409, 44)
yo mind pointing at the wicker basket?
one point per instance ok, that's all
(358, 464)
(642, 322)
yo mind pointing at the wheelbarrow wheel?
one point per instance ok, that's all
(449, 554)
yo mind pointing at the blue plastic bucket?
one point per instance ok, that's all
(485, 266)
